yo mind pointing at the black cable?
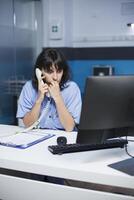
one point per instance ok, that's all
(126, 148)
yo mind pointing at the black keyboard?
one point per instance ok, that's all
(70, 148)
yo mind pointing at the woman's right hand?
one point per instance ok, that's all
(42, 90)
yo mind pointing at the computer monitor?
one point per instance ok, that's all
(107, 109)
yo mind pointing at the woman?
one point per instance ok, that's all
(62, 94)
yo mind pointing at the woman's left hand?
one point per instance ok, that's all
(54, 90)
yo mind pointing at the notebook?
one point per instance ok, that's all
(24, 139)
(126, 166)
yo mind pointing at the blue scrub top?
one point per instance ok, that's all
(71, 96)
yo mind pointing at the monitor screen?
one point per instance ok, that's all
(107, 108)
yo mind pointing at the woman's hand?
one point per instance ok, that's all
(54, 90)
(42, 89)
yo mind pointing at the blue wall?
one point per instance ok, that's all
(83, 68)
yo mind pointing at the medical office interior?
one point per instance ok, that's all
(90, 34)
(97, 38)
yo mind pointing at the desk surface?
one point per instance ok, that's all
(91, 166)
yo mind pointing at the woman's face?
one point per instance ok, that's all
(52, 75)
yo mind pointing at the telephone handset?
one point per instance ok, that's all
(45, 110)
(38, 75)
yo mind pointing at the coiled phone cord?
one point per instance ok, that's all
(35, 125)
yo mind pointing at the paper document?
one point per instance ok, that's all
(24, 140)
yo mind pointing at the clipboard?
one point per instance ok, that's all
(24, 140)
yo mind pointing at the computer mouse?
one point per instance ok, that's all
(61, 140)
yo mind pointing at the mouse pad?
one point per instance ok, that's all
(126, 166)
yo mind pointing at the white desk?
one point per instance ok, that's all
(88, 166)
